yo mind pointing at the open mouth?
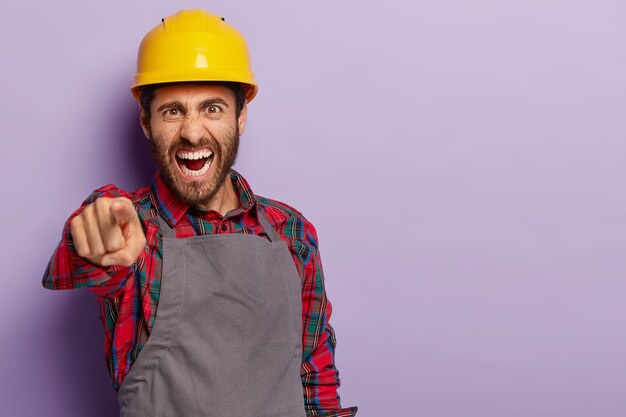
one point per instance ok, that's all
(194, 164)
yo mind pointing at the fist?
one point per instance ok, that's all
(108, 232)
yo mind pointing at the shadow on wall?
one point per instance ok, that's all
(139, 160)
(133, 166)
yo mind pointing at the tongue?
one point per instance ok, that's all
(194, 164)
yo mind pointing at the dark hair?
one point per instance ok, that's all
(147, 94)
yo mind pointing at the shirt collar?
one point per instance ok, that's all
(172, 209)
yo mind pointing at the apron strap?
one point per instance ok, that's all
(271, 232)
(168, 231)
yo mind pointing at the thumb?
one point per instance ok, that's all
(123, 211)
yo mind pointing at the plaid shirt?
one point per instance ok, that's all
(129, 296)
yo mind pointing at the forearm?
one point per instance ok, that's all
(320, 380)
(320, 377)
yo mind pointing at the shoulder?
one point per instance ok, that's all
(277, 209)
(112, 190)
(140, 197)
(288, 221)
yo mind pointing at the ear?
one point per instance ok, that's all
(144, 122)
(243, 118)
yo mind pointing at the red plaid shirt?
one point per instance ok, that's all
(121, 289)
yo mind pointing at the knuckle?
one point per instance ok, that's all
(125, 201)
(100, 206)
(86, 211)
(76, 220)
(99, 251)
(100, 203)
(113, 245)
(89, 215)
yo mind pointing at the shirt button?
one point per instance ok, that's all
(224, 228)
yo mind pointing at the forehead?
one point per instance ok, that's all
(188, 93)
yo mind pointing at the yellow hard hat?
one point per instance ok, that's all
(193, 45)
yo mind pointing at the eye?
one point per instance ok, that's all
(172, 114)
(213, 109)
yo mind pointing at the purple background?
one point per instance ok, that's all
(463, 162)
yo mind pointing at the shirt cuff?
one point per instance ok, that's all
(342, 412)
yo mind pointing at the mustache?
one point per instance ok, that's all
(201, 144)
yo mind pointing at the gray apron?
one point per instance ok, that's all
(227, 338)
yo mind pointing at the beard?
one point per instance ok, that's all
(200, 192)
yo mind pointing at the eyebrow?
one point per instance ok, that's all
(211, 101)
(170, 104)
(177, 104)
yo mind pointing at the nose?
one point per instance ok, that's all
(192, 129)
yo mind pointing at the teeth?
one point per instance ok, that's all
(194, 155)
(200, 172)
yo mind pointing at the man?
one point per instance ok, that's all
(212, 298)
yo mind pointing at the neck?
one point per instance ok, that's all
(224, 200)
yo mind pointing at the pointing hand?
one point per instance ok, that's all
(108, 232)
